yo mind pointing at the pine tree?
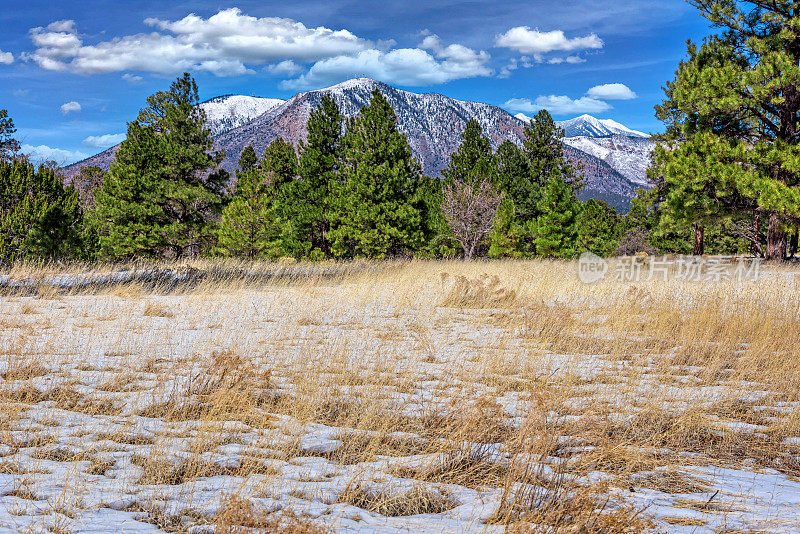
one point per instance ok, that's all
(512, 234)
(557, 226)
(741, 87)
(598, 228)
(375, 212)
(39, 217)
(543, 147)
(251, 222)
(163, 190)
(472, 160)
(247, 161)
(307, 208)
(280, 160)
(9, 146)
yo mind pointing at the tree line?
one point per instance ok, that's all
(726, 175)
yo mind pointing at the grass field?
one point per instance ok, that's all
(397, 397)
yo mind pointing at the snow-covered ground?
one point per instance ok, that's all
(405, 400)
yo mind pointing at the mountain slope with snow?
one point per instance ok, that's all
(630, 156)
(227, 112)
(589, 126)
(432, 122)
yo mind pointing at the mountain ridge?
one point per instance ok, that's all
(432, 122)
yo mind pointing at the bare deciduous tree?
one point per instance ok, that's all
(469, 209)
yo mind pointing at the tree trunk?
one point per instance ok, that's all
(698, 247)
(776, 240)
(793, 242)
(754, 248)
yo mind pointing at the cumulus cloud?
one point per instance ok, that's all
(287, 67)
(132, 78)
(404, 66)
(222, 44)
(42, 153)
(611, 91)
(558, 105)
(537, 44)
(6, 58)
(69, 107)
(103, 141)
(231, 43)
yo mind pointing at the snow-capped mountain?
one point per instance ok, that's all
(588, 126)
(432, 122)
(227, 112)
(628, 155)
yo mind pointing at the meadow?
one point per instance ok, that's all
(396, 397)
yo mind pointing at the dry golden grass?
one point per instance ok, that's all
(510, 377)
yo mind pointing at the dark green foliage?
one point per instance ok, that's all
(557, 226)
(280, 160)
(544, 150)
(527, 176)
(732, 142)
(247, 161)
(307, 202)
(40, 217)
(598, 227)
(251, 224)
(473, 158)
(513, 175)
(375, 213)
(163, 191)
(9, 146)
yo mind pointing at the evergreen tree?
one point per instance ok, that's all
(557, 226)
(9, 146)
(251, 222)
(247, 161)
(742, 88)
(598, 227)
(280, 160)
(307, 208)
(39, 217)
(375, 211)
(472, 160)
(543, 147)
(163, 190)
(513, 231)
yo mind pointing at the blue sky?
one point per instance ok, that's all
(74, 72)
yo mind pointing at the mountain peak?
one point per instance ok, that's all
(589, 126)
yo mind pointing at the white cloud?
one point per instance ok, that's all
(6, 58)
(103, 141)
(611, 91)
(404, 66)
(21, 93)
(558, 105)
(42, 153)
(287, 67)
(574, 60)
(222, 44)
(132, 78)
(70, 107)
(536, 43)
